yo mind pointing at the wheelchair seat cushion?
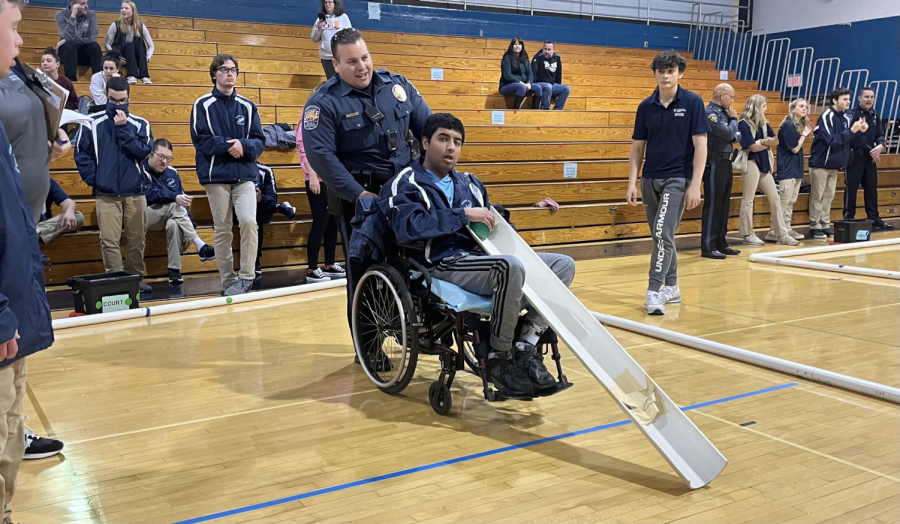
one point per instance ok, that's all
(459, 299)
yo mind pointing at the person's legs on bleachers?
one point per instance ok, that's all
(91, 55)
(68, 56)
(537, 92)
(546, 93)
(517, 91)
(51, 228)
(140, 57)
(109, 218)
(131, 65)
(157, 220)
(243, 195)
(560, 93)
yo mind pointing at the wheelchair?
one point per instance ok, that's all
(400, 312)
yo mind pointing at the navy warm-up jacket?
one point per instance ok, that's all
(831, 140)
(109, 156)
(164, 187)
(216, 119)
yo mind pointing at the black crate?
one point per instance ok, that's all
(847, 231)
(105, 292)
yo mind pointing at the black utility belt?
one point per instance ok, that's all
(711, 157)
(370, 179)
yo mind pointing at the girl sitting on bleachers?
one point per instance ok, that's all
(130, 38)
(517, 77)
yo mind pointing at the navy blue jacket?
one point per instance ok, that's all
(370, 232)
(23, 303)
(109, 156)
(265, 182)
(417, 210)
(831, 140)
(216, 119)
(164, 187)
(340, 137)
(55, 196)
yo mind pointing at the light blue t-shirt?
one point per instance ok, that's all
(444, 184)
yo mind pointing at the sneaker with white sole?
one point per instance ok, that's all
(207, 253)
(286, 209)
(132, 80)
(787, 240)
(238, 287)
(38, 447)
(316, 275)
(795, 235)
(770, 236)
(670, 295)
(818, 233)
(655, 304)
(334, 271)
(146, 81)
(753, 240)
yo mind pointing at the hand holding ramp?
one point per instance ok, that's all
(687, 450)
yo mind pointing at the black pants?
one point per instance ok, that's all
(263, 217)
(355, 270)
(135, 55)
(717, 180)
(324, 227)
(862, 170)
(328, 66)
(74, 55)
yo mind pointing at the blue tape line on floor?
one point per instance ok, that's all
(465, 458)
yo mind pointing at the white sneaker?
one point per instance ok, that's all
(787, 240)
(146, 81)
(132, 80)
(770, 236)
(670, 295)
(655, 304)
(795, 235)
(753, 240)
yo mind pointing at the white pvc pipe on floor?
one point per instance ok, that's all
(858, 385)
(780, 258)
(87, 320)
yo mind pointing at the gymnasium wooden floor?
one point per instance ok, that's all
(256, 413)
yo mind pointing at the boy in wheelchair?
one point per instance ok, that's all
(434, 203)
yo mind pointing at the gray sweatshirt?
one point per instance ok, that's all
(81, 30)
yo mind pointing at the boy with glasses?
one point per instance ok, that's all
(228, 136)
(167, 208)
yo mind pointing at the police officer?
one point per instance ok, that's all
(354, 131)
(718, 175)
(865, 153)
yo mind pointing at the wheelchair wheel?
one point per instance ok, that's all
(439, 397)
(385, 340)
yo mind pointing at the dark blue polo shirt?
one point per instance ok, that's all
(748, 138)
(669, 133)
(790, 165)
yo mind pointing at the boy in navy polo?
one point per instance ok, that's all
(672, 126)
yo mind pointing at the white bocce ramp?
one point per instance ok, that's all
(687, 450)
(780, 258)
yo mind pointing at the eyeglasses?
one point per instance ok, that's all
(168, 159)
(226, 70)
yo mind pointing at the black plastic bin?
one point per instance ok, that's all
(106, 292)
(856, 230)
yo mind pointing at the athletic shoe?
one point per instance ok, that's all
(828, 231)
(770, 236)
(132, 80)
(38, 447)
(818, 233)
(527, 358)
(670, 295)
(730, 251)
(787, 240)
(508, 378)
(146, 81)
(795, 235)
(655, 304)
(335, 271)
(145, 290)
(885, 226)
(753, 240)
(207, 253)
(238, 287)
(175, 277)
(286, 209)
(316, 275)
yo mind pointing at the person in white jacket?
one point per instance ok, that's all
(130, 37)
(332, 18)
(111, 65)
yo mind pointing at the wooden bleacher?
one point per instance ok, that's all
(521, 162)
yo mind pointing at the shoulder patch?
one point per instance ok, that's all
(713, 118)
(311, 117)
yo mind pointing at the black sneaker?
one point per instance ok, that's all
(257, 279)
(145, 290)
(286, 209)
(334, 271)
(882, 225)
(37, 447)
(175, 277)
(818, 233)
(206, 253)
(316, 275)
(533, 366)
(828, 232)
(508, 378)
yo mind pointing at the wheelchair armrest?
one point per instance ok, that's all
(415, 246)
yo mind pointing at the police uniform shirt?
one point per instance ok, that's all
(874, 136)
(723, 130)
(339, 134)
(669, 133)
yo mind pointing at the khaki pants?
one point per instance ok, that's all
(179, 230)
(12, 430)
(241, 199)
(752, 180)
(51, 228)
(790, 191)
(118, 214)
(821, 193)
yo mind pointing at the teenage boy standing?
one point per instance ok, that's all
(671, 125)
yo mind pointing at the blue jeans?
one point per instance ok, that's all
(558, 91)
(519, 89)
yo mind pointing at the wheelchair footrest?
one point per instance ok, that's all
(560, 387)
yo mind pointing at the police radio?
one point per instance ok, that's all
(374, 114)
